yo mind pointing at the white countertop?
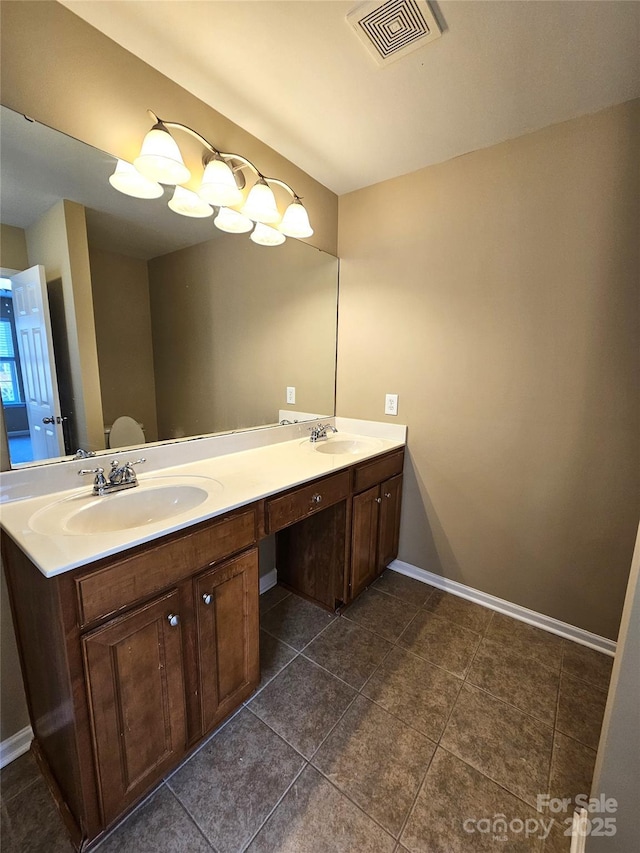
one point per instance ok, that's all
(245, 476)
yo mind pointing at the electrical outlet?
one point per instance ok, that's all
(291, 394)
(391, 404)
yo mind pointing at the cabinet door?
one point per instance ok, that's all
(389, 528)
(228, 640)
(136, 696)
(364, 537)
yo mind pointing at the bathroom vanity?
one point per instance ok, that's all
(136, 644)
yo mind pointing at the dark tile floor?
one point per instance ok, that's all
(410, 723)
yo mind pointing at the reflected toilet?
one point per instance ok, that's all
(125, 432)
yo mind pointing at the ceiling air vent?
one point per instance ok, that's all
(393, 29)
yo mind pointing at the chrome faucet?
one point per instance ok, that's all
(319, 432)
(120, 477)
(84, 454)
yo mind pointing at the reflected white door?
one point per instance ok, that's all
(35, 345)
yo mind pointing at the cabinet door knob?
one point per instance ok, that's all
(173, 619)
(387, 494)
(378, 500)
(206, 597)
(316, 499)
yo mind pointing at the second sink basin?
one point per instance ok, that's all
(154, 500)
(339, 445)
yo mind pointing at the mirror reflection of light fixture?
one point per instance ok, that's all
(188, 203)
(232, 221)
(129, 181)
(160, 162)
(265, 235)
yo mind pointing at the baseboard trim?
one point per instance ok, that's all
(268, 580)
(15, 746)
(547, 623)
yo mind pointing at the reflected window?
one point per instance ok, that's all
(10, 380)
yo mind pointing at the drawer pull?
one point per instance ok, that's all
(378, 500)
(206, 597)
(387, 494)
(316, 499)
(173, 619)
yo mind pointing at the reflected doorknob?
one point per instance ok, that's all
(48, 420)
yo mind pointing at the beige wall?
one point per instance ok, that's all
(120, 287)
(13, 248)
(234, 324)
(58, 241)
(497, 294)
(64, 73)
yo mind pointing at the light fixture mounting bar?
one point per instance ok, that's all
(244, 162)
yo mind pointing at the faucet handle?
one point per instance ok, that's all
(100, 480)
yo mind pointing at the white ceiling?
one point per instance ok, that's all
(293, 73)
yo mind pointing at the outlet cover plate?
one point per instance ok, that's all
(391, 404)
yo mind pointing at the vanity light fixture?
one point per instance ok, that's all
(232, 221)
(261, 203)
(265, 235)
(160, 158)
(188, 203)
(160, 162)
(129, 181)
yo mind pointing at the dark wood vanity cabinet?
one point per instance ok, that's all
(227, 621)
(136, 672)
(375, 521)
(346, 531)
(135, 684)
(130, 662)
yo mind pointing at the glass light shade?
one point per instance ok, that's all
(160, 158)
(128, 180)
(187, 203)
(295, 222)
(265, 235)
(232, 221)
(261, 204)
(218, 185)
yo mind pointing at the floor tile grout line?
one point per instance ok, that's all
(333, 727)
(277, 804)
(284, 597)
(510, 705)
(399, 597)
(328, 671)
(129, 815)
(491, 779)
(273, 636)
(193, 819)
(353, 802)
(415, 799)
(430, 662)
(6, 800)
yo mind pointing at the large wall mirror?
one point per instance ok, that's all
(184, 329)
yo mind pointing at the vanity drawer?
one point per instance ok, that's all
(371, 473)
(305, 501)
(105, 591)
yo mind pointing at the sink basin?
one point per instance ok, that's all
(154, 500)
(339, 445)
